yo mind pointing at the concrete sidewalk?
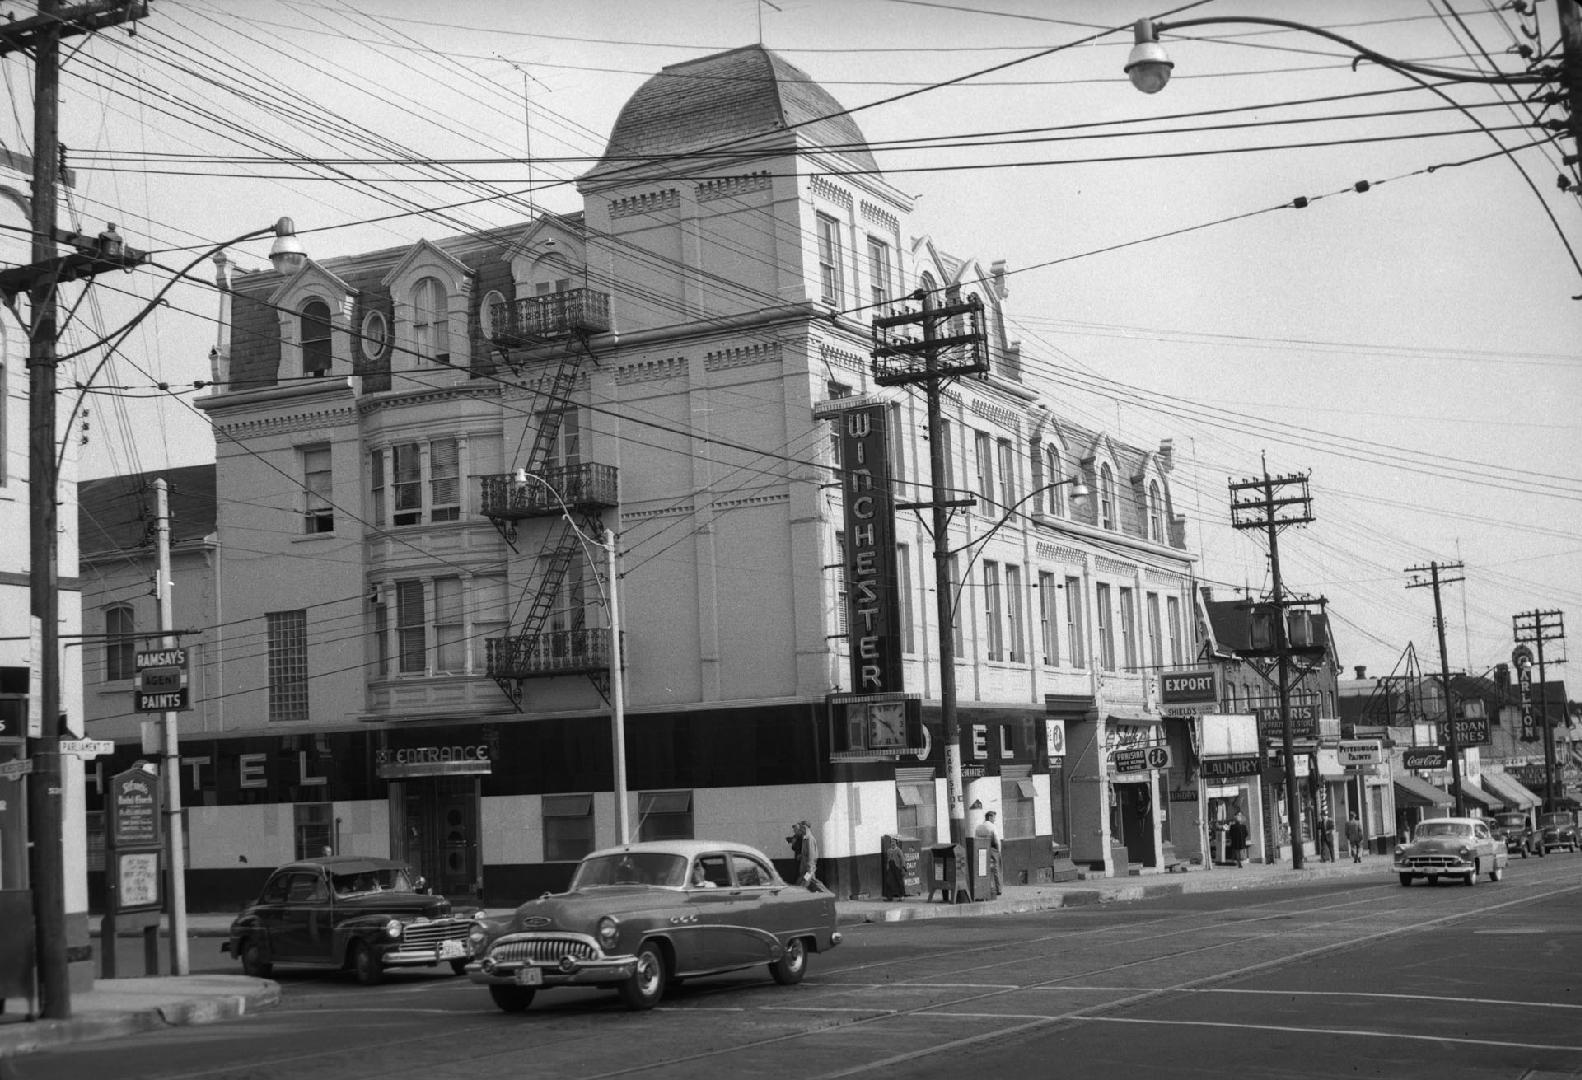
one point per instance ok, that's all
(119, 1007)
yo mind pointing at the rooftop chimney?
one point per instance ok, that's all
(1361, 670)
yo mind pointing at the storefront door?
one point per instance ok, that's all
(440, 832)
(1134, 808)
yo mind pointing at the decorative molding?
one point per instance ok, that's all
(726, 187)
(830, 192)
(1114, 566)
(671, 367)
(835, 356)
(870, 212)
(742, 356)
(753, 500)
(1158, 577)
(375, 402)
(662, 512)
(1059, 553)
(315, 420)
(647, 203)
(1006, 418)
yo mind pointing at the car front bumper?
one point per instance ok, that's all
(1435, 865)
(558, 959)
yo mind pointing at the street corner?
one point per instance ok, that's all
(212, 999)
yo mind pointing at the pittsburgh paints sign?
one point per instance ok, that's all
(873, 617)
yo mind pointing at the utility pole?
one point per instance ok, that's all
(617, 691)
(944, 357)
(1433, 569)
(1570, 15)
(1535, 628)
(42, 35)
(175, 840)
(1275, 509)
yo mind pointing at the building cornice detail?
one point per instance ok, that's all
(833, 355)
(402, 399)
(766, 352)
(1107, 565)
(870, 212)
(305, 420)
(1060, 553)
(724, 187)
(647, 203)
(825, 189)
(671, 367)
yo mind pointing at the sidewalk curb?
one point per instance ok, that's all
(21, 1038)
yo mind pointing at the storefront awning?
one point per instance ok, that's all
(1121, 714)
(1513, 793)
(1414, 792)
(1471, 790)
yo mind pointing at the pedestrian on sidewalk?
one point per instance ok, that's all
(1326, 837)
(1236, 840)
(805, 846)
(989, 833)
(1354, 837)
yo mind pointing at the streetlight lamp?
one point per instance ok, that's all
(612, 605)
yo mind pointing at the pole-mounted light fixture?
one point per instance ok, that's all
(1148, 67)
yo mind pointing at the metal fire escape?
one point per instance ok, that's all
(571, 496)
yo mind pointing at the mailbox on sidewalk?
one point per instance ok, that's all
(948, 873)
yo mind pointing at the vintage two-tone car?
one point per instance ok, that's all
(1512, 827)
(643, 916)
(349, 912)
(1451, 847)
(1557, 831)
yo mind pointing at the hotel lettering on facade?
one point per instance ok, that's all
(421, 448)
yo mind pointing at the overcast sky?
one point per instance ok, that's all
(1413, 346)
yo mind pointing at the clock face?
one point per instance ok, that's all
(886, 726)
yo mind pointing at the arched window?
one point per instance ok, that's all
(1106, 496)
(120, 647)
(486, 321)
(1053, 474)
(1156, 513)
(430, 321)
(315, 338)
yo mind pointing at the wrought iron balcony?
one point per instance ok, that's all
(552, 652)
(586, 489)
(535, 320)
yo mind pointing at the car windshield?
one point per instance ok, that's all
(1561, 818)
(631, 868)
(388, 879)
(1443, 828)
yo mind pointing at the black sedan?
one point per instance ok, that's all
(349, 912)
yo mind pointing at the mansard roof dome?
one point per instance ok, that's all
(728, 100)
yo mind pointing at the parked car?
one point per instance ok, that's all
(1451, 847)
(639, 917)
(349, 912)
(1557, 830)
(1513, 829)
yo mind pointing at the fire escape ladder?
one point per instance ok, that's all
(558, 396)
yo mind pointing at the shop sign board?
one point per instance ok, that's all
(1141, 759)
(1186, 690)
(1304, 721)
(1359, 753)
(1231, 768)
(1472, 731)
(1424, 757)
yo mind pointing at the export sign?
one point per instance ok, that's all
(1424, 757)
(1194, 687)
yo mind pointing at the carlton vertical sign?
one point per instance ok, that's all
(873, 616)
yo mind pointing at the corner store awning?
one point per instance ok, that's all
(1471, 791)
(1415, 792)
(1507, 788)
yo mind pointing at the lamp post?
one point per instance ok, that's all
(612, 606)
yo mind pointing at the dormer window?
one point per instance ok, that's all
(1156, 527)
(316, 351)
(1106, 496)
(431, 321)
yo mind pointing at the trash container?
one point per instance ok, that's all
(979, 883)
(947, 872)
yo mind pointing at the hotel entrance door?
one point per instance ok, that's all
(439, 833)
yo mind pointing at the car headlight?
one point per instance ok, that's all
(1465, 852)
(476, 938)
(609, 931)
(393, 928)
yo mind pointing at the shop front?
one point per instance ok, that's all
(1230, 771)
(434, 799)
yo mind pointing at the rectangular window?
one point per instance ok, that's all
(568, 827)
(444, 480)
(1048, 616)
(903, 575)
(320, 511)
(313, 826)
(1016, 802)
(878, 275)
(829, 260)
(1129, 628)
(953, 569)
(1007, 475)
(1156, 655)
(120, 647)
(1057, 495)
(406, 474)
(1075, 648)
(1013, 613)
(565, 450)
(376, 465)
(993, 611)
(1101, 612)
(1035, 461)
(664, 815)
(984, 459)
(1173, 614)
(840, 584)
(381, 656)
(490, 613)
(450, 641)
(288, 664)
(411, 628)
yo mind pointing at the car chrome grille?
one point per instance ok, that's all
(434, 931)
(543, 950)
(1432, 862)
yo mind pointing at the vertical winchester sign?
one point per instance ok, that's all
(873, 617)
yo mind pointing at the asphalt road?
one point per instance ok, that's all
(1344, 978)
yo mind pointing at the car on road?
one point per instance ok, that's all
(1557, 831)
(349, 912)
(1451, 847)
(1514, 830)
(641, 917)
